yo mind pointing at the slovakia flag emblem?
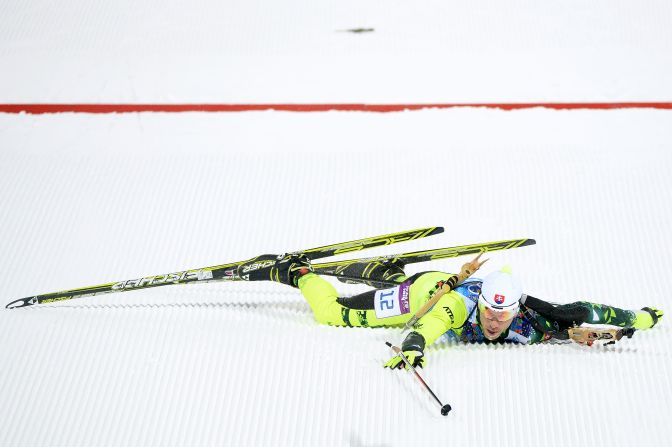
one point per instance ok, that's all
(499, 299)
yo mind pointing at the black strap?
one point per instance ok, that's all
(468, 316)
(345, 314)
(654, 315)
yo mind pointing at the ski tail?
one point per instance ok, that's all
(224, 272)
(373, 270)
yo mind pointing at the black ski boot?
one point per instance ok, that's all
(375, 270)
(285, 269)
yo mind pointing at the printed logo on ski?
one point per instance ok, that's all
(258, 265)
(499, 299)
(198, 275)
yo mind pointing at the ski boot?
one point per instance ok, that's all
(285, 269)
(388, 270)
(290, 269)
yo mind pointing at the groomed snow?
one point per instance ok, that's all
(295, 51)
(88, 199)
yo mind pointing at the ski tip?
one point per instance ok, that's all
(23, 302)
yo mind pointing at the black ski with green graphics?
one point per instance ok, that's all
(235, 271)
(372, 271)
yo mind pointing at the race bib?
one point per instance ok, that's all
(392, 302)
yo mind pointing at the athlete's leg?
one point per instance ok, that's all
(327, 308)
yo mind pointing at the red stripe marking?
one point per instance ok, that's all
(131, 108)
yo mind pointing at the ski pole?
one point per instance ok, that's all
(445, 409)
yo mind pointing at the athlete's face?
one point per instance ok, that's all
(494, 323)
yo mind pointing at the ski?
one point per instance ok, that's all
(367, 270)
(234, 271)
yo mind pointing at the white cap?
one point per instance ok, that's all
(501, 291)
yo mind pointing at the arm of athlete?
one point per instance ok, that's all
(448, 313)
(579, 312)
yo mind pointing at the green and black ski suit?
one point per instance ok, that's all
(455, 316)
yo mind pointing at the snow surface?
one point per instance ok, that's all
(295, 51)
(88, 199)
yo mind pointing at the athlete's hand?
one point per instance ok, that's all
(412, 348)
(469, 268)
(415, 358)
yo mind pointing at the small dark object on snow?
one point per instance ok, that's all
(359, 30)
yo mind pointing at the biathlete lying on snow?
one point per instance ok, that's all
(474, 310)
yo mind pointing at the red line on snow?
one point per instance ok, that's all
(172, 108)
